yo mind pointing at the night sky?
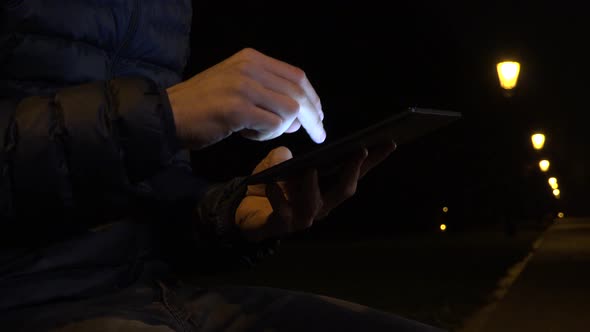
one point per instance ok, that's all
(368, 59)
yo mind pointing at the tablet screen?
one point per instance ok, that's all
(402, 127)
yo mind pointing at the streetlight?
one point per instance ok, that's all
(508, 74)
(544, 165)
(556, 192)
(538, 140)
(553, 182)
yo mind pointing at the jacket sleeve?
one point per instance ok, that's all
(82, 151)
(100, 151)
(211, 236)
(216, 231)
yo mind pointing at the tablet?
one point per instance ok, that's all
(402, 127)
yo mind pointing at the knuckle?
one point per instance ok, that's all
(316, 101)
(275, 122)
(246, 67)
(314, 208)
(242, 87)
(308, 223)
(307, 217)
(319, 207)
(299, 75)
(349, 191)
(248, 53)
(298, 92)
(318, 121)
(237, 104)
(304, 223)
(292, 107)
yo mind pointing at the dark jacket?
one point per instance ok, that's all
(84, 120)
(87, 138)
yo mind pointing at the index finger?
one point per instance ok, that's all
(310, 116)
(293, 74)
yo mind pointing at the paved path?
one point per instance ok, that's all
(550, 290)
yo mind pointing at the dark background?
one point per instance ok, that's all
(368, 59)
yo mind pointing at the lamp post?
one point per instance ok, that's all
(508, 72)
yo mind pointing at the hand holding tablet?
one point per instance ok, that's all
(402, 128)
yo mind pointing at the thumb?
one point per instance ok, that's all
(274, 157)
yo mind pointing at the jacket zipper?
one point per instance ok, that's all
(128, 35)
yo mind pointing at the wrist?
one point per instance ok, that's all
(171, 98)
(169, 120)
(215, 219)
(215, 226)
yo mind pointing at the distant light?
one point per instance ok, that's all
(508, 74)
(544, 165)
(554, 186)
(552, 181)
(560, 215)
(538, 141)
(556, 192)
(443, 227)
(445, 209)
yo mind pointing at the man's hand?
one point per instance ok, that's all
(251, 93)
(281, 208)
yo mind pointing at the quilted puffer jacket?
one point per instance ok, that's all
(84, 120)
(87, 138)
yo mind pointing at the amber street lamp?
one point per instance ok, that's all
(508, 75)
(553, 182)
(544, 165)
(538, 140)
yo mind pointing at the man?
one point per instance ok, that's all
(96, 125)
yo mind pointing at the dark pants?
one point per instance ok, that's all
(53, 294)
(159, 307)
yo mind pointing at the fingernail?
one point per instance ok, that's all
(322, 136)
